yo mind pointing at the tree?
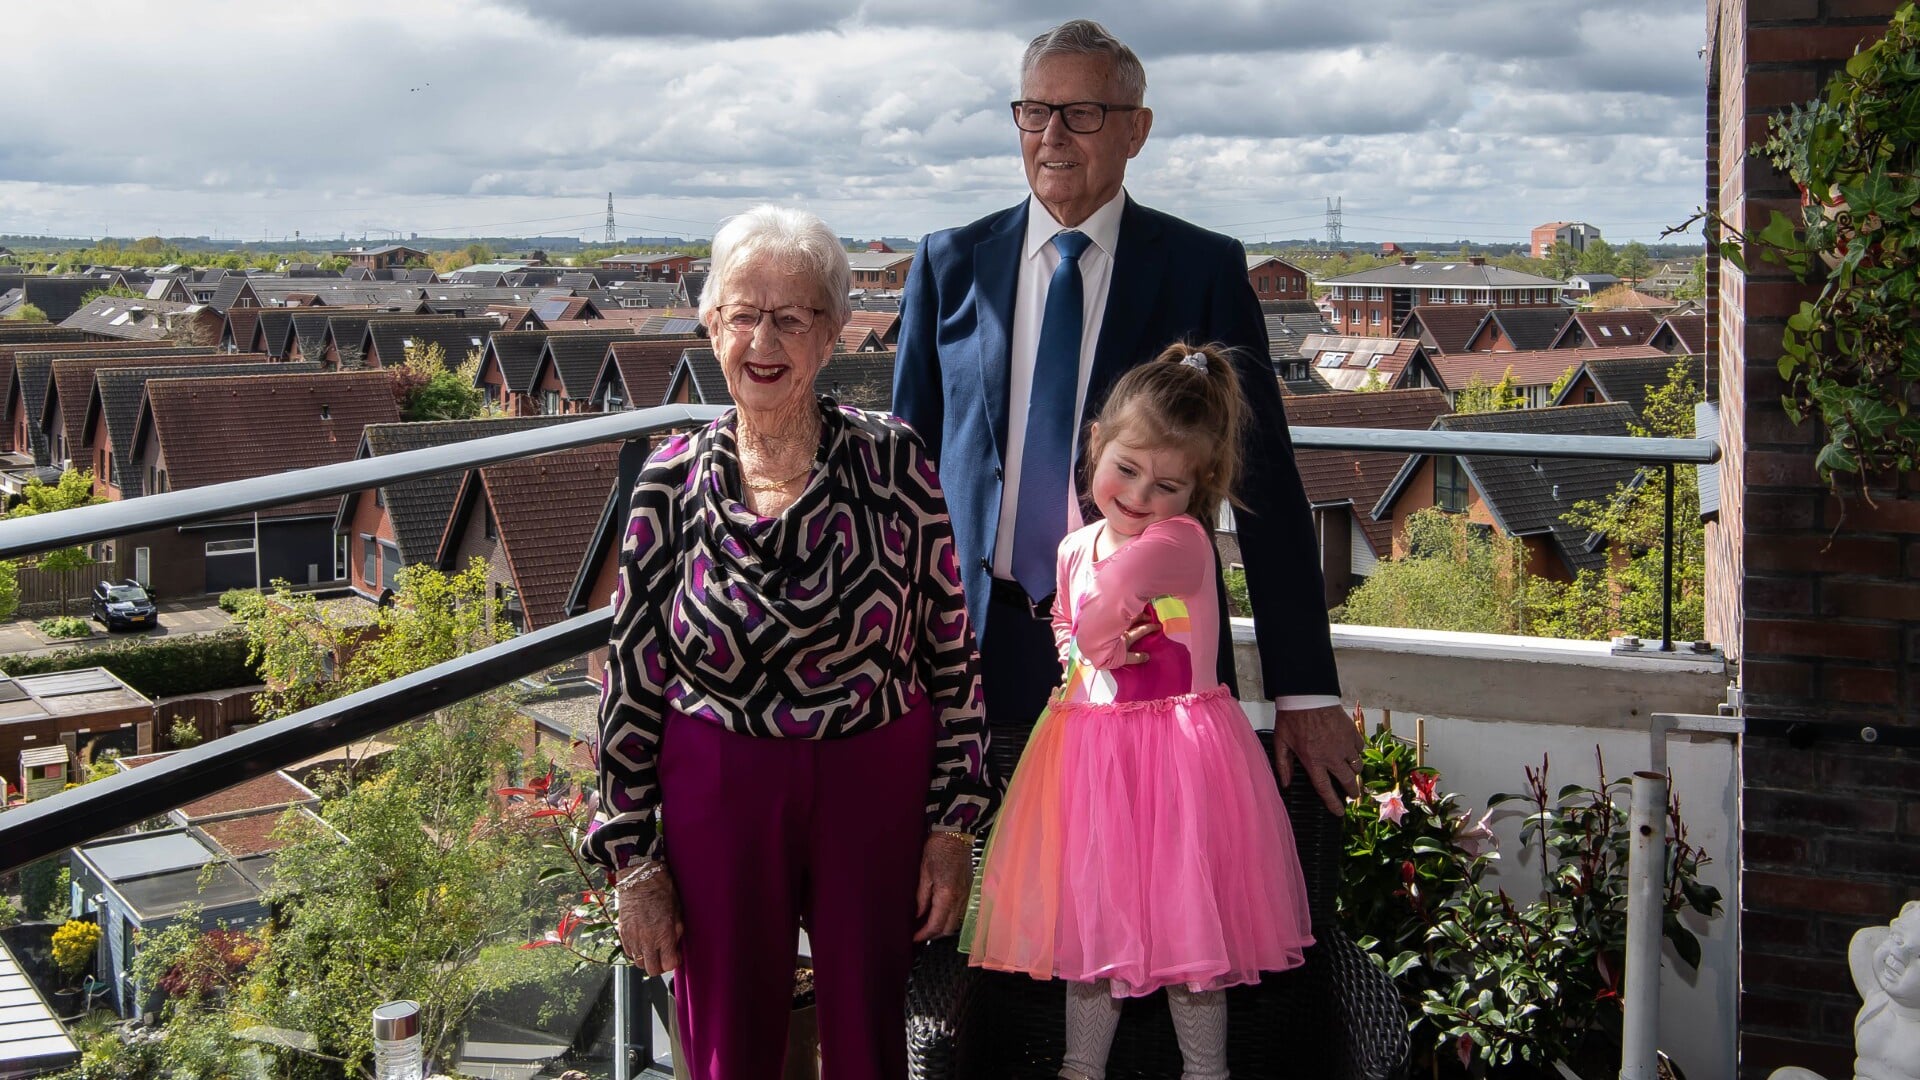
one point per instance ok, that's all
(1634, 264)
(27, 313)
(74, 488)
(1599, 258)
(1455, 576)
(1695, 287)
(1559, 384)
(426, 389)
(1478, 397)
(1562, 258)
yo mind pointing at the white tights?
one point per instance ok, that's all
(1199, 1021)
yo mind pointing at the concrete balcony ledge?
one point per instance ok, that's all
(1508, 678)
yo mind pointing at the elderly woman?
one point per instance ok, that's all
(792, 685)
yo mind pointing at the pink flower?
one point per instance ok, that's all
(1475, 839)
(1423, 785)
(1392, 807)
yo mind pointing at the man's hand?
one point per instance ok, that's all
(1328, 746)
(946, 878)
(650, 925)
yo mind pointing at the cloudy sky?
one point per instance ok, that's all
(1431, 120)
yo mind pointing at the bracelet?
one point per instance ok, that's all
(641, 874)
(965, 838)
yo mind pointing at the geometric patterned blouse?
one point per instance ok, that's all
(829, 620)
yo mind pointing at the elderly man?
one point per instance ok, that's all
(1012, 330)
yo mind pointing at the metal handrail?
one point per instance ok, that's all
(45, 827)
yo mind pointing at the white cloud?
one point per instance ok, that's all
(888, 116)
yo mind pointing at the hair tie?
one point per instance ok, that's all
(1195, 359)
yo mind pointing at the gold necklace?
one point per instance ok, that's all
(775, 485)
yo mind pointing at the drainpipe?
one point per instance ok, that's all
(1646, 885)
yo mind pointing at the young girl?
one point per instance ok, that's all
(1142, 843)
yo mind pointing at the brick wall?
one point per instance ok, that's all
(1818, 597)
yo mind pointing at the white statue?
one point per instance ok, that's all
(1886, 971)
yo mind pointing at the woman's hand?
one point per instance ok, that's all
(946, 879)
(650, 920)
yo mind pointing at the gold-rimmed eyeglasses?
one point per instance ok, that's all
(788, 319)
(1082, 117)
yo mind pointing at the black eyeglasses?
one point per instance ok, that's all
(1082, 117)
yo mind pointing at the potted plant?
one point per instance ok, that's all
(1498, 985)
(73, 946)
(1851, 356)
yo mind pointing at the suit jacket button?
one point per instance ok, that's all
(997, 474)
(986, 565)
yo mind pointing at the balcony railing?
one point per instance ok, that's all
(48, 826)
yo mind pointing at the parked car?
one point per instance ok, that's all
(124, 604)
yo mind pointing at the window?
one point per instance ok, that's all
(1339, 292)
(1378, 317)
(1589, 397)
(162, 481)
(150, 480)
(1376, 293)
(1449, 484)
(389, 565)
(1334, 317)
(1459, 296)
(1354, 317)
(342, 557)
(490, 530)
(369, 570)
(550, 402)
(113, 471)
(101, 551)
(1485, 296)
(241, 546)
(1543, 296)
(1332, 359)
(380, 498)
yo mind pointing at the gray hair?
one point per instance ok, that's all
(1084, 37)
(799, 242)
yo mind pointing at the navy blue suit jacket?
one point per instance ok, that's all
(1172, 281)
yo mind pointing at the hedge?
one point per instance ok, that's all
(157, 668)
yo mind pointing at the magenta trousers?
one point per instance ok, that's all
(762, 832)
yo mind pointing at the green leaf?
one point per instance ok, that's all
(1835, 458)
(1685, 944)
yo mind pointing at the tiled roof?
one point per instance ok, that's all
(1607, 329)
(869, 261)
(1347, 363)
(388, 339)
(1682, 334)
(276, 326)
(216, 430)
(518, 352)
(656, 294)
(1310, 381)
(1286, 333)
(1622, 297)
(514, 317)
(577, 357)
(274, 790)
(886, 324)
(1441, 274)
(1444, 328)
(1630, 380)
(1531, 496)
(1536, 367)
(419, 508)
(33, 372)
(128, 320)
(347, 333)
(555, 308)
(1333, 477)
(876, 301)
(240, 326)
(232, 292)
(546, 508)
(70, 387)
(59, 297)
(634, 319)
(246, 834)
(117, 391)
(695, 282)
(643, 367)
(863, 380)
(37, 334)
(1530, 327)
(1289, 307)
(708, 384)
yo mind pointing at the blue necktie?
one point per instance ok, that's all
(1046, 462)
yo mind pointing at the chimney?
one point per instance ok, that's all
(1477, 260)
(1408, 260)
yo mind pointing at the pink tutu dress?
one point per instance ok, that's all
(1142, 839)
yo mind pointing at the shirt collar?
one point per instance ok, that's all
(1103, 227)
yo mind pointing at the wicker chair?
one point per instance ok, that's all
(1337, 1017)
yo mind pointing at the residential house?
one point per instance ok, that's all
(16, 334)
(1353, 363)
(1584, 286)
(273, 333)
(1606, 329)
(1290, 307)
(641, 293)
(565, 370)
(1625, 296)
(63, 413)
(698, 380)
(1375, 302)
(80, 714)
(1668, 279)
(385, 341)
(531, 521)
(636, 373)
(195, 432)
(400, 524)
(169, 288)
(652, 266)
(1519, 497)
(1681, 334)
(238, 327)
(1443, 328)
(1569, 234)
(113, 408)
(885, 326)
(234, 291)
(381, 258)
(32, 379)
(1534, 372)
(863, 380)
(1285, 334)
(1629, 380)
(117, 318)
(56, 297)
(631, 319)
(880, 269)
(553, 309)
(1517, 329)
(1343, 486)
(1274, 278)
(515, 317)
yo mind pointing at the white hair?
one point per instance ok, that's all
(798, 241)
(1084, 37)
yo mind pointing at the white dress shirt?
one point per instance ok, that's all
(1038, 261)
